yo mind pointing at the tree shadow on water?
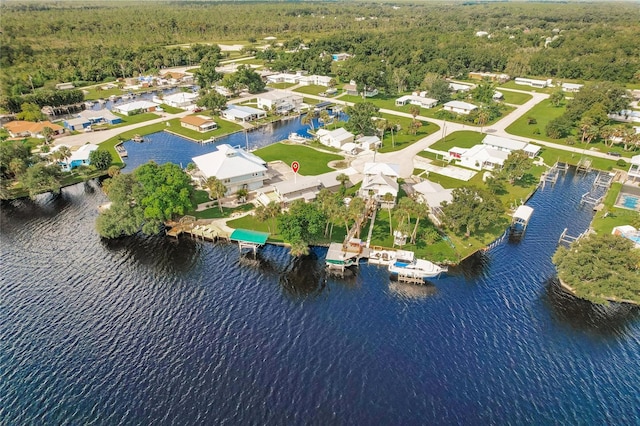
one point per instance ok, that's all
(304, 277)
(610, 320)
(473, 267)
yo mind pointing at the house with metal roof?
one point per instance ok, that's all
(135, 107)
(509, 145)
(380, 179)
(235, 167)
(335, 138)
(184, 100)
(242, 113)
(459, 107)
(280, 101)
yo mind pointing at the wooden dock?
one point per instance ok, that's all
(584, 165)
(202, 230)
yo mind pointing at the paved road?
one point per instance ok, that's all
(403, 157)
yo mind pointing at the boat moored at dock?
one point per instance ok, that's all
(407, 268)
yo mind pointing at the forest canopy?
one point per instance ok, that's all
(44, 43)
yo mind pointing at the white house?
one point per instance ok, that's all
(634, 170)
(457, 87)
(482, 157)
(380, 179)
(432, 194)
(368, 143)
(284, 78)
(501, 78)
(282, 101)
(539, 84)
(509, 145)
(242, 113)
(236, 168)
(304, 187)
(459, 107)
(135, 107)
(335, 138)
(179, 100)
(317, 80)
(497, 95)
(416, 100)
(571, 87)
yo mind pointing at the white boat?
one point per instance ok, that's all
(407, 266)
(294, 137)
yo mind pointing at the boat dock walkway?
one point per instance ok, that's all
(199, 229)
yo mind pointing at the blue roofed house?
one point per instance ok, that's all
(78, 158)
(89, 117)
(235, 167)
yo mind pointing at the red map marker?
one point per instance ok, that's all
(295, 166)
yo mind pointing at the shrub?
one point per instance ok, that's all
(621, 163)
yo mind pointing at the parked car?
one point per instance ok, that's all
(614, 154)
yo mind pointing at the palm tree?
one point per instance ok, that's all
(216, 189)
(388, 199)
(64, 153)
(241, 195)
(307, 119)
(483, 117)
(324, 117)
(273, 210)
(343, 179)
(419, 210)
(47, 133)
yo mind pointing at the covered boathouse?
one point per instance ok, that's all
(248, 239)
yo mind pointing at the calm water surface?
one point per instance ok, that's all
(154, 331)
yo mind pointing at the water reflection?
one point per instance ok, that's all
(305, 276)
(413, 291)
(473, 267)
(605, 321)
(159, 252)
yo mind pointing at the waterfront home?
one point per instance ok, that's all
(634, 170)
(337, 57)
(500, 78)
(626, 115)
(235, 167)
(497, 96)
(184, 100)
(433, 195)
(370, 92)
(380, 179)
(538, 84)
(199, 123)
(335, 138)
(30, 129)
(89, 117)
(279, 101)
(242, 113)
(135, 107)
(509, 145)
(481, 157)
(629, 232)
(418, 100)
(459, 107)
(304, 187)
(571, 87)
(79, 157)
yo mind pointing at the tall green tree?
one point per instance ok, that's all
(600, 268)
(361, 118)
(216, 189)
(41, 178)
(472, 210)
(301, 225)
(100, 159)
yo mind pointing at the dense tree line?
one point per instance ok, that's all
(70, 41)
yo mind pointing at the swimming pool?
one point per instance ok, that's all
(629, 201)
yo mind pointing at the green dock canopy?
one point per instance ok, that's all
(248, 236)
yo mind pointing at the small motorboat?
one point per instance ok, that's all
(406, 266)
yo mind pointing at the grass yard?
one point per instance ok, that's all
(515, 97)
(608, 218)
(551, 155)
(461, 139)
(311, 89)
(281, 85)
(214, 211)
(134, 119)
(170, 110)
(512, 85)
(312, 162)
(402, 139)
(542, 113)
(97, 92)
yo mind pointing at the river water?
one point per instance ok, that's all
(149, 330)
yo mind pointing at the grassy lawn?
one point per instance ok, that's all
(312, 162)
(224, 128)
(542, 113)
(310, 101)
(201, 196)
(608, 218)
(281, 85)
(313, 89)
(515, 97)
(170, 110)
(214, 212)
(403, 138)
(461, 139)
(134, 119)
(96, 92)
(551, 155)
